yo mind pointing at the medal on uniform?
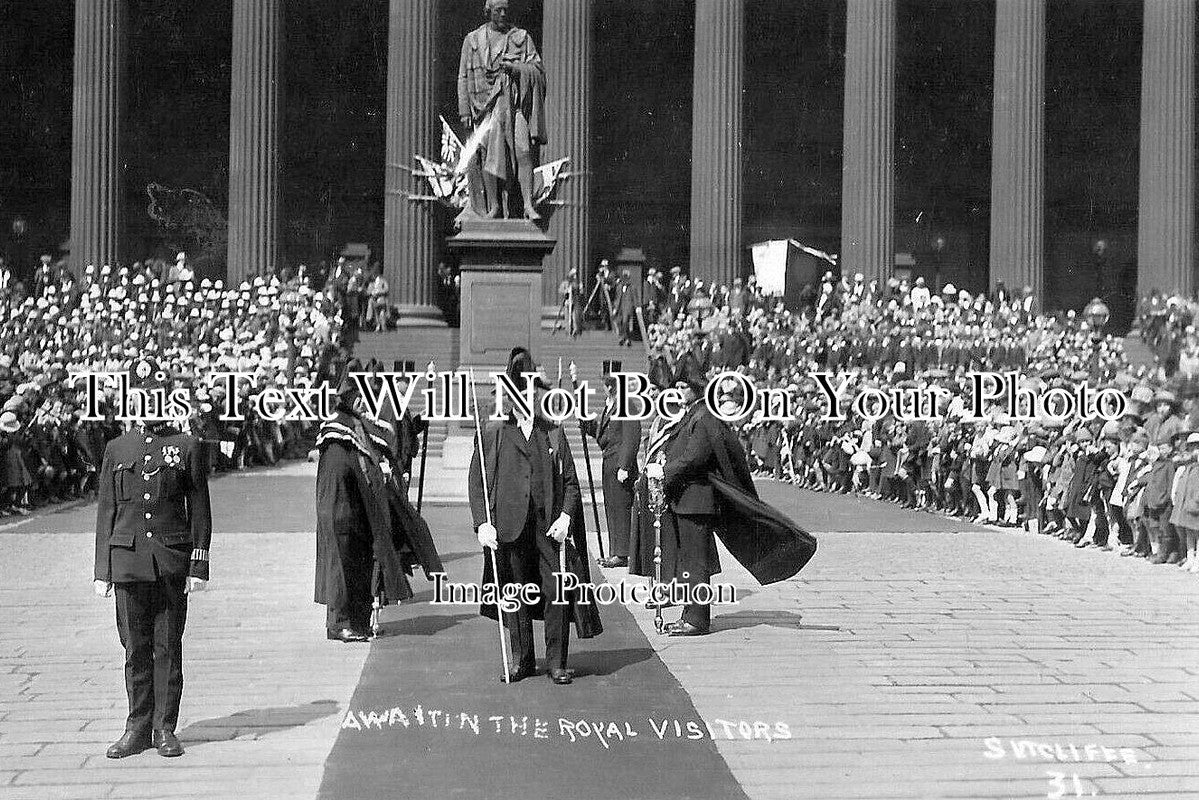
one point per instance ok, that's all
(170, 455)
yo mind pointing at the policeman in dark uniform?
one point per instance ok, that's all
(153, 527)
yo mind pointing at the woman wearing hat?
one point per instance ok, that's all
(1185, 496)
(1002, 483)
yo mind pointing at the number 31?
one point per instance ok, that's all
(1057, 780)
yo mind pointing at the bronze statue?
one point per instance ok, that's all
(501, 103)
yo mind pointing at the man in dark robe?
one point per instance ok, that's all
(710, 491)
(361, 540)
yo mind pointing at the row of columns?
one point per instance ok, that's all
(1167, 183)
(97, 192)
(1165, 229)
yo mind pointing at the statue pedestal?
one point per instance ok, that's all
(500, 263)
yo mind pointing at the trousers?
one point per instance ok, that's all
(150, 620)
(533, 558)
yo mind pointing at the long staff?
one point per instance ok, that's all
(599, 533)
(495, 571)
(424, 454)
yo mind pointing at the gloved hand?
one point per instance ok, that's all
(560, 529)
(227, 449)
(102, 588)
(622, 475)
(654, 471)
(574, 373)
(487, 535)
(195, 585)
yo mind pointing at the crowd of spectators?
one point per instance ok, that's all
(1128, 485)
(285, 330)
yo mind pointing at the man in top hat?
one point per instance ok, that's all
(534, 496)
(153, 528)
(690, 498)
(709, 491)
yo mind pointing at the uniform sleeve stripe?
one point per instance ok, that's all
(199, 555)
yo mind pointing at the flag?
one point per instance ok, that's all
(451, 145)
(439, 178)
(545, 178)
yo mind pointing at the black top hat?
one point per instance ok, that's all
(519, 363)
(693, 378)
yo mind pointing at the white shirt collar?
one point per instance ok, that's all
(526, 427)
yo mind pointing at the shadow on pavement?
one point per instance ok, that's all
(775, 619)
(256, 721)
(427, 625)
(607, 662)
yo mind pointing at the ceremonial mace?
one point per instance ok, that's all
(599, 533)
(657, 504)
(495, 570)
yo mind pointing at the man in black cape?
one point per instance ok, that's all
(364, 523)
(535, 510)
(710, 492)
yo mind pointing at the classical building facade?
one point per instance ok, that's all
(419, 70)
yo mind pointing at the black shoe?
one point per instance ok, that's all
(559, 676)
(130, 744)
(613, 561)
(347, 635)
(168, 745)
(682, 628)
(520, 673)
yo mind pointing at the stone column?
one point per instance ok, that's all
(410, 246)
(1018, 148)
(1166, 217)
(566, 50)
(97, 186)
(256, 94)
(716, 132)
(868, 151)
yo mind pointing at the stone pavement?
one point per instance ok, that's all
(911, 664)
(263, 686)
(907, 664)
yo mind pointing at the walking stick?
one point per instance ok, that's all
(495, 571)
(657, 504)
(424, 453)
(599, 533)
(376, 602)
